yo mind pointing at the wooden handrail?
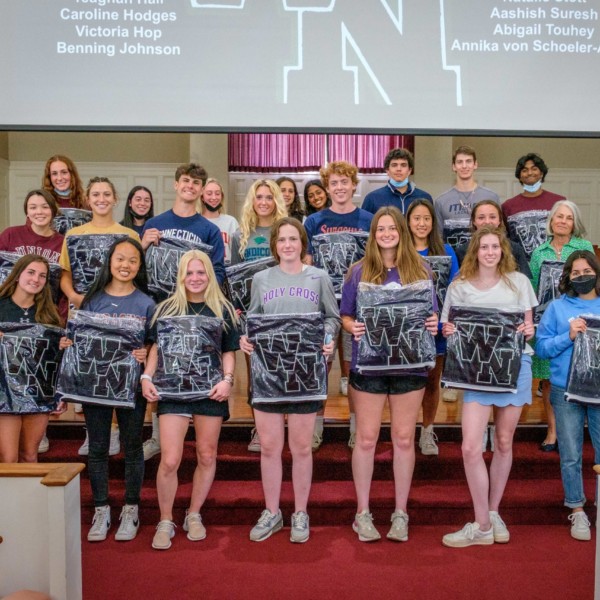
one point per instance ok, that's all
(53, 474)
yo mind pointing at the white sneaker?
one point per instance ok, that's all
(317, 441)
(84, 449)
(501, 534)
(580, 526)
(151, 448)
(449, 395)
(130, 523)
(344, 386)
(427, 442)
(352, 440)
(254, 445)
(399, 530)
(469, 535)
(115, 443)
(44, 445)
(100, 524)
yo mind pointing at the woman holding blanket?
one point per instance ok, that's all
(119, 291)
(289, 287)
(488, 278)
(390, 257)
(560, 324)
(197, 293)
(25, 297)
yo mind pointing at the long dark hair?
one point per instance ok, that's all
(104, 276)
(308, 207)
(296, 209)
(434, 239)
(45, 309)
(128, 214)
(564, 284)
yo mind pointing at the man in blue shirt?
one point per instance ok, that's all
(399, 191)
(183, 221)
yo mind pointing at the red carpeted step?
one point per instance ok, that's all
(333, 461)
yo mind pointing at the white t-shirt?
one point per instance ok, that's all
(228, 225)
(500, 295)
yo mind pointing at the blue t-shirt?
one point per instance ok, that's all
(327, 221)
(389, 196)
(137, 304)
(195, 229)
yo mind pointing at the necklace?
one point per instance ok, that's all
(192, 307)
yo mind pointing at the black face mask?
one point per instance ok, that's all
(212, 208)
(583, 284)
(136, 216)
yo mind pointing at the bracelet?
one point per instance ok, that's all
(145, 376)
(228, 377)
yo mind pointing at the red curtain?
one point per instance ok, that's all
(292, 152)
(274, 152)
(367, 152)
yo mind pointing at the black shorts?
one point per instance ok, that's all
(391, 385)
(205, 407)
(288, 408)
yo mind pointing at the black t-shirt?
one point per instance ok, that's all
(12, 313)
(231, 335)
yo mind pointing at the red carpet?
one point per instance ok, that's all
(538, 563)
(541, 562)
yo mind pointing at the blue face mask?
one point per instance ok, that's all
(399, 184)
(63, 193)
(533, 188)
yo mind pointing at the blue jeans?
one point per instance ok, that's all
(570, 420)
(98, 420)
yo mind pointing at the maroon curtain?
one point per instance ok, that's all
(292, 152)
(274, 152)
(367, 152)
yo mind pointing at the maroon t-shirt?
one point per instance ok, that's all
(23, 240)
(520, 203)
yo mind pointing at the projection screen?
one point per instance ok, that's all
(412, 66)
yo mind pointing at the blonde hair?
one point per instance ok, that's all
(470, 265)
(408, 262)
(199, 205)
(249, 218)
(177, 304)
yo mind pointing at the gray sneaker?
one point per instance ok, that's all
(130, 523)
(399, 529)
(165, 531)
(267, 524)
(501, 534)
(194, 527)
(300, 527)
(100, 524)
(363, 525)
(427, 442)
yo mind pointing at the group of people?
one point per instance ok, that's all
(403, 226)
